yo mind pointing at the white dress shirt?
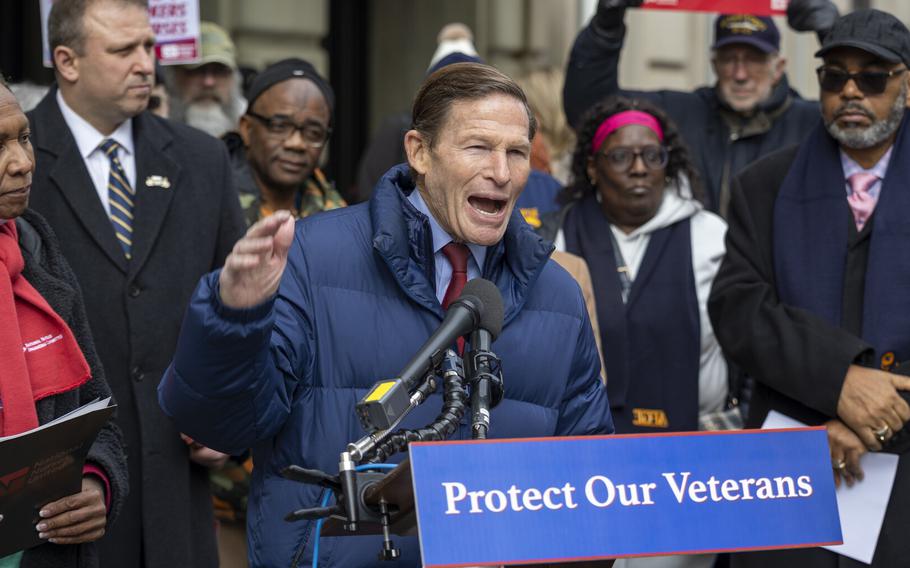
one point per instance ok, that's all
(440, 239)
(88, 140)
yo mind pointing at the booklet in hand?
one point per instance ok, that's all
(41, 466)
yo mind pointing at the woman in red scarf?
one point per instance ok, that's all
(39, 298)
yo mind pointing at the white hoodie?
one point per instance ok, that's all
(708, 231)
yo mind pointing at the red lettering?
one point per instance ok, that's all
(13, 482)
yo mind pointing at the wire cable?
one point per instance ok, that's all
(326, 494)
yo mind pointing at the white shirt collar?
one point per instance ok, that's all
(87, 136)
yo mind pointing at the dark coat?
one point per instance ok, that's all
(799, 361)
(49, 273)
(356, 302)
(135, 308)
(720, 141)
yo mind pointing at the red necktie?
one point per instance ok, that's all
(457, 254)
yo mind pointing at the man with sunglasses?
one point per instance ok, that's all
(275, 153)
(751, 109)
(812, 299)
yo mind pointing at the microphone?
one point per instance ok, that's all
(389, 399)
(484, 369)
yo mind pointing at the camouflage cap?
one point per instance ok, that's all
(217, 47)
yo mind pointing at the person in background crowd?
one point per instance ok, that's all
(207, 94)
(275, 153)
(289, 316)
(160, 99)
(39, 296)
(143, 207)
(28, 94)
(274, 159)
(749, 112)
(811, 299)
(544, 90)
(633, 215)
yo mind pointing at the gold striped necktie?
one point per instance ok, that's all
(120, 196)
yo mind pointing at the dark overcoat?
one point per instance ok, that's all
(799, 361)
(182, 229)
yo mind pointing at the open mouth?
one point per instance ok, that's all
(487, 206)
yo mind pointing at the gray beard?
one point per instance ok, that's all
(877, 132)
(209, 117)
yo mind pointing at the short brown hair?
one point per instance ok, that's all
(65, 23)
(461, 82)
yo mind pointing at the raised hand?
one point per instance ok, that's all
(811, 15)
(252, 272)
(869, 402)
(610, 13)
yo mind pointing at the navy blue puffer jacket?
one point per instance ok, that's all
(356, 301)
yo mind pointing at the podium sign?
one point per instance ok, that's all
(561, 499)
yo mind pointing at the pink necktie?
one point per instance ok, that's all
(861, 201)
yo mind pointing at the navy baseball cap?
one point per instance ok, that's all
(758, 31)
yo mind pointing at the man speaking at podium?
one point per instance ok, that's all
(278, 347)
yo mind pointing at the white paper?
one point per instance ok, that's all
(861, 507)
(84, 409)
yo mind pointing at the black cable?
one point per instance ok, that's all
(454, 406)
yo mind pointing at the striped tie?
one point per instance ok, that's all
(120, 197)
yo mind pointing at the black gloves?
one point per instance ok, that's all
(812, 16)
(610, 13)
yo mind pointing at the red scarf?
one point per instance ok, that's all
(39, 352)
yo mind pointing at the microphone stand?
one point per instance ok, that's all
(485, 372)
(350, 484)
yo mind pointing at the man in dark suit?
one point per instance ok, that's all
(812, 299)
(143, 207)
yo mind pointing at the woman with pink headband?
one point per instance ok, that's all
(632, 213)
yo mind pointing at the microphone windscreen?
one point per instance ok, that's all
(492, 310)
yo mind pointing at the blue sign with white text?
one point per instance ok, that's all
(561, 499)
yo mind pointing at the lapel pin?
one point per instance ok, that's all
(158, 181)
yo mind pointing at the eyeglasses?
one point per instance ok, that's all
(869, 82)
(315, 135)
(622, 158)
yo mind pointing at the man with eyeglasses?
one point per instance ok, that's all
(812, 299)
(751, 109)
(275, 153)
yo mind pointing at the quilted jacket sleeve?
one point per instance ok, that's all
(234, 374)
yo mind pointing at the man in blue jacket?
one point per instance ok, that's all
(278, 347)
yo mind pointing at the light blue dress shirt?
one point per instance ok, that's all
(440, 239)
